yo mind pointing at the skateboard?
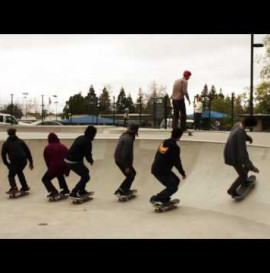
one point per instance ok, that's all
(82, 198)
(188, 132)
(58, 197)
(18, 194)
(124, 198)
(165, 207)
(244, 189)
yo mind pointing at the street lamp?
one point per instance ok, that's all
(55, 96)
(25, 94)
(251, 72)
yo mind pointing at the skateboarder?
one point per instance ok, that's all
(167, 157)
(236, 155)
(18, 153)
(198, 108)
(123, 157)
(81, 147)
(54, 155)
(178, 98)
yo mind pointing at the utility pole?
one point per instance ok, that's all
(42, 110)
(12, 103)
(232, 108)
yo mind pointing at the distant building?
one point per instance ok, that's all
(263, 121)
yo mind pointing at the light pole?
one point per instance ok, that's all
(55, 96)
(25, 96)
(251, 72)
(12, 103)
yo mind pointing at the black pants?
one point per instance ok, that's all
(179, 106)
(16, 168)
(171, 182)
(47, 181)
(197, 119)
(241, 179)
(81, 170)
(126, 184)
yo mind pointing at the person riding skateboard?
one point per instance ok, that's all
(18, 154)
(167, 157)
(236, 155)
(123, 157)
(54, 155)
(178, 98)
(81, 147)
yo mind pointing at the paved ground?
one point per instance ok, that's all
(205, 211)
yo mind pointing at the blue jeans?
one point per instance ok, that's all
(171, 182)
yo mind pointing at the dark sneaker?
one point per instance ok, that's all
(25, 189)
(84, 192)
(74, 195)
(64, 192)
(52, 194)
(153, 199)
(12, 190)
(235, 194)
(119, 192)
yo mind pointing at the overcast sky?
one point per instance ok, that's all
(67, 64)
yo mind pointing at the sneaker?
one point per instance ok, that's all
(119, 192)
(153, 199)
(52, 194)
(64, 192)
(235, 194)
(25, 189)
(74, 195)
(12, 190)
(84, 192)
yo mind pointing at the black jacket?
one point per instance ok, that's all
(16, 149)
(81, 147)
(167, 157)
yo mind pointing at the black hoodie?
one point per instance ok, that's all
(82, 146)
(167, 157)
(16, 149)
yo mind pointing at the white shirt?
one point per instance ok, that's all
(198, 107)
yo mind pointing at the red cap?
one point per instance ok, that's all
(187, 73)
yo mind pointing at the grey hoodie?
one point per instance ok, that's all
(235, 151)
(124, 150)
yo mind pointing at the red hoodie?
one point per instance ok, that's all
(54, 155)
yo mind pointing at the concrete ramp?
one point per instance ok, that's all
(205, 210)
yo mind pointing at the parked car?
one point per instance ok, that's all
(7, 119)
(47, 122)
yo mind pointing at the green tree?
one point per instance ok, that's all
(130, 104)
(213, 92)
(121, 102)
(104, 102)
(76, 105)
(204, 91)
(14, 110)
(262, 94)
(91, 101)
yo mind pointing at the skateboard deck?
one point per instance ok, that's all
(58, 197)
(83, 198)
(171, 205)
(244, 189)
(18, 194)
(124, 198)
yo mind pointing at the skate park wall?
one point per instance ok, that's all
(208, 178)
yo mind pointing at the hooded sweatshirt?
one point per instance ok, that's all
(82, 147)
(167, 157)
(124, 150)
(16, 149)
(235, 151)
(54, 155)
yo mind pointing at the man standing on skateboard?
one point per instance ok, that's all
(18, 154)
(178, 98)
(81, 147)
(167, 157)
(123, 157)
(54, 155)
(236, 155)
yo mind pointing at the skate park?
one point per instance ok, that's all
(205, 209)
